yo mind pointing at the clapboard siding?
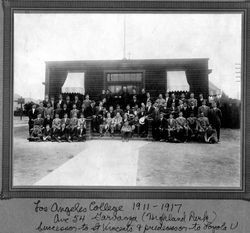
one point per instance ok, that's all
(154, 74)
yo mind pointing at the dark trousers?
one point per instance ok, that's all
(217, 128)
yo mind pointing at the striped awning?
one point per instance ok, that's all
(177, 81)
(74, 83)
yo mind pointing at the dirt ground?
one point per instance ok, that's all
(159, 163)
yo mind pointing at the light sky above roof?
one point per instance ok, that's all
(59, 37)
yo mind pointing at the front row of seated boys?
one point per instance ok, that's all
(65, 129)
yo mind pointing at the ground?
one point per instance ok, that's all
(113, 162)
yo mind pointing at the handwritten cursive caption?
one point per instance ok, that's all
(137, 217)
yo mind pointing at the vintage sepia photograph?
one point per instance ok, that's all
(127, 100)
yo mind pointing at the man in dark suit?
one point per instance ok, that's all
(125, 97)
(46, 101)
(200, 100)
(193, 109)
(32, 114)
(185, 110)
(134, 101)
(77, 102)
(90, 110)
(173, 110)
(68, 102)
(168, 100)
(143, 96)
(215, 117)
(203, 108)
(60, 101)
(174, 100)
(161, 128)
(149, 110)
(65, 110)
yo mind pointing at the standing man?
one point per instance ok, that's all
(32, 116)
(215, 117)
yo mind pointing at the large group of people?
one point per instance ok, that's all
(169, 117)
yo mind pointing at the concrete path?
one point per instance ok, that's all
(104, 162)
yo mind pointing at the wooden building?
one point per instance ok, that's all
(155, 75)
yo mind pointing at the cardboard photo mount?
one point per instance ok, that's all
(106, 192)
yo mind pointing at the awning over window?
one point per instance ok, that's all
(177, 81)
(74, 83)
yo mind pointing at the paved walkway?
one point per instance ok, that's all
(111, 162)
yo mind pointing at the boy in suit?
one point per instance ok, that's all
(48, 121)
(161, 128)
(64, 133)
(68, 102)
(60, 101)
(32, 114)
(192, 100)
(77, 102)
(49, 111)
(181, 127)
(126, 131)
(65, 121)
(46, 101)
(47, 133)
(192, 126)
(171, 128)
(81, 133)
(74, 111)
(117, 123)
(215, 117)
(203, 108)
(64, 111)
(193, 109)
(202, 127)
(73, 127)
(37, 130)
(40, 109)
(56, 127)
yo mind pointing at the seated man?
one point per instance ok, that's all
(143, 126)
(64, 133)
(81, 121)
(192, 100)
(49, 111)
(73, 127)
(181, 128)
(171, 128)
(202, 127)
(118, 109)
(116, 123)
(160, 101)
(106, 124)
(81, 133)
(37, 130)
(47, 133)
(56, 127)
(74, 111)
(135, 125)
(161, 128)
(58, 110)
(126, 131)
(173, 110)
(192, 126)
(32, 114)
(40, 109)
(65, 128)
(203, 108)
(47, 121)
